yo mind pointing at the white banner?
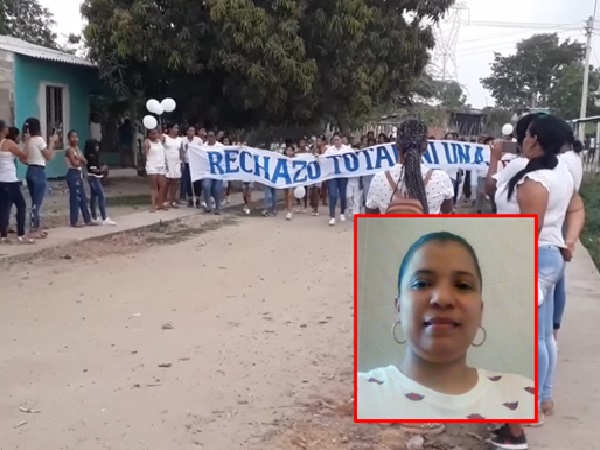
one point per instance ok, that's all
(275, 170)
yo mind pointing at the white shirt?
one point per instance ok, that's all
(560, 186)
(196, 141)
(386, 393)
(34, 151)
(172, 147)
(573, 161)
(8, 168)
(333, 150)
(438, 189)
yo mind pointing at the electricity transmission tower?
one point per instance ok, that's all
(443, 65)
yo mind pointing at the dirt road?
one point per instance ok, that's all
(238, 337)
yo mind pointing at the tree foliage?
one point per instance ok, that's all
(28, 20)
(243, 62)
(565, 94)
(528, 76)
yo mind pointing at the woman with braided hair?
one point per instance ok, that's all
(431, 188)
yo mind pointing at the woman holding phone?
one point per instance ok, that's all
(38, 155)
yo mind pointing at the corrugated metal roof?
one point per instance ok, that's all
(19, 46)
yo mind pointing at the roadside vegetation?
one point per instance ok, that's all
(590, 238)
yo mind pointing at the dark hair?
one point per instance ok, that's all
(170, 125)
(577, 146)
(451, 136)
(35, 127)
(371, 140)
(412, 138)
(337, 134)
(90, 147)
(2, 125)
(523, 125)
(290, 146)
(13, 133)
(552, 134)
(71, 133)
(487, 140)
(440, 236)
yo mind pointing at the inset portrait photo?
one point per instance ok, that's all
(445, 319)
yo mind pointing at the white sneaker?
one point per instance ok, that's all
(227, 201)
(109, 222)
(288, 216)
(247, 211)
(331, 222)
(342, 218)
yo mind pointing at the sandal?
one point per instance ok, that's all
(548, 407)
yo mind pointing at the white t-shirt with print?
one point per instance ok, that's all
(386, 393)
(559, 184)
(333, 150)
(573, 161)
(438, 189)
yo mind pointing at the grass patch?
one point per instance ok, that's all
(124, 201)
(590, 238)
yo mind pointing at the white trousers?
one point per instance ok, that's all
(354, 196)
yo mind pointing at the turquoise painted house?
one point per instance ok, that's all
(50, 85)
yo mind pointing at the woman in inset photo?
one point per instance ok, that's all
(439, 317)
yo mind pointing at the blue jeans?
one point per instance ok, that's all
(212, 188)
(551, 267)
(77, 198)
(97, 195)
(37, 184)
(270, 200)
(335, 186)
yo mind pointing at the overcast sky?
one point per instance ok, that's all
(476, 41)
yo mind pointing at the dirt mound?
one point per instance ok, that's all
(329, 425)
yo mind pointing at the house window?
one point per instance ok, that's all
(55, 115)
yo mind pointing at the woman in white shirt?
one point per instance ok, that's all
(172, 144)
(10, 187)
(337, 187)
(540, 184)
(156, 169)
(432, 187)
(38, 155)
(439, 316)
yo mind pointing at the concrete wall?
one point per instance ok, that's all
(505, 248)
(78, 82)
(6, 87)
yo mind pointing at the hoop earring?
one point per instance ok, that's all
(394, 333)
(483, 339)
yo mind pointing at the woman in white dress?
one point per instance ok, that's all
(156, 168)
(172, 144)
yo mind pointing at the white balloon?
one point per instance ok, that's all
(299, 192)
(507, 129)
(151, 105)
(168, 105)
(150, 122)
(158, 110)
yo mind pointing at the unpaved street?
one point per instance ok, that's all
(201, 334)
(261, 316)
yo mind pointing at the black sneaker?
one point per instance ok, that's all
(502, 439)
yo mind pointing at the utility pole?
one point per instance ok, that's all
(589, 30)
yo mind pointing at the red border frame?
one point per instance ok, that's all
(433, 217)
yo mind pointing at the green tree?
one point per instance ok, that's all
(28, 20)
(277, 62)
(565, 94)
(527, 77)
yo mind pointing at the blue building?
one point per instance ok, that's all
(51, 85)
